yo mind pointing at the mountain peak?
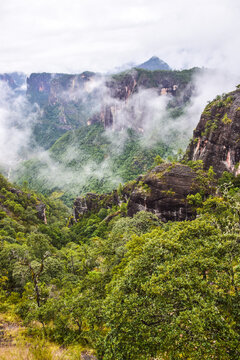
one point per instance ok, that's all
(154, 63)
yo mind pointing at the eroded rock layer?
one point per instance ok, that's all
(216, 140)
(163, 191)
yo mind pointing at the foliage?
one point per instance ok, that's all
(226, 120)
(130, 288)
(105, 161)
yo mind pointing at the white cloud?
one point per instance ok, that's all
(16, 119)
(72, 36)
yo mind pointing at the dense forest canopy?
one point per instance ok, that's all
(128, 287)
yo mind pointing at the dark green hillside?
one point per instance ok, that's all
(125, 287)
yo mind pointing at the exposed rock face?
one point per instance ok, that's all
(41, 212)
(216, 140)
(163, 191)
(122, 86)
(47, 88)
(69, 101)
(94, 202)
(65, 103)
(15, 81)
(172, 82)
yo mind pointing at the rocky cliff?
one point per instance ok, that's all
(65, 101)
(15, 80)
(70, 101)
(177, 84)
(163, 191)
(47, 88)
(216, 139)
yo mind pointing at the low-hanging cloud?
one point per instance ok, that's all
(144, 111)
(17, 117)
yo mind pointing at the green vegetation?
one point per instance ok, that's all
(150, 78)
(214, 111)
(51, 126)
(226, 119)
(127, 288)
(91, 161)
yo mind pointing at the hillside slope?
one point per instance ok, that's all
(90, 159)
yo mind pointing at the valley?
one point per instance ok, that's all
(120, 234)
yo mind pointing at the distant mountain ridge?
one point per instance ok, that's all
(70, 101)
(154, 63)
(14, 79)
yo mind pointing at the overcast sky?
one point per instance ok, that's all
(99, 35)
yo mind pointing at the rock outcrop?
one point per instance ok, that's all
(70, 101)
(41, 212)
(92, 202)
(163, 191)
(216, 140)
(9, 80)
(120, 88)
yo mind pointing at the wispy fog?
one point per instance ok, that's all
(145, 111)
(16, 119)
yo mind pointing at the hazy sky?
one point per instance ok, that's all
(98, 35)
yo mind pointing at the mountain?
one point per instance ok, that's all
(150, 270)
(114, 131)
(154, 63)
(68, 102)
(15, 80)
(216, 137)
(9, 80)
(91, 159)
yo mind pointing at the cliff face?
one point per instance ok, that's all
(70, 101)
(122, 86)
(165, 82)
(47, 88)
(65, 103)
(216, 140)
(14, 80)
(163, 191)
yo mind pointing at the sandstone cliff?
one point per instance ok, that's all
(70, 101)
(216, 140)
(163, 191)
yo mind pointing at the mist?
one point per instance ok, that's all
(146, 112)
(17, 117)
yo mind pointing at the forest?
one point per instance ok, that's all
(120, 287)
